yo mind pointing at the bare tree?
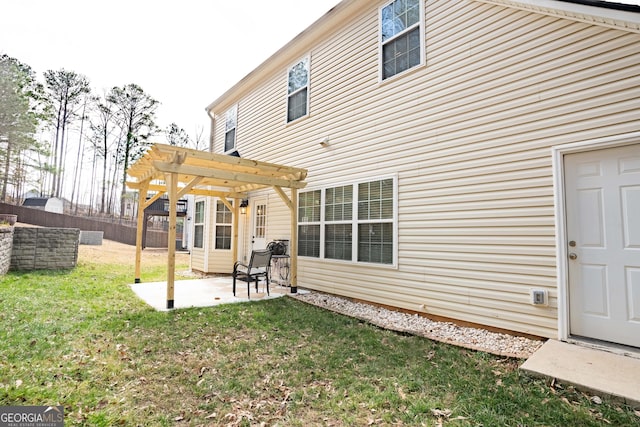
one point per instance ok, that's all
(136, 116)
(80, 155)
(198, 140)
(102, 125)
(64, 92)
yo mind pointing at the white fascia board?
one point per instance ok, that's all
(613, 18)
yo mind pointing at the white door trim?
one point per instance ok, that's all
(558, 154)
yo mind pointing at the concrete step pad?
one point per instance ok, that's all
(599, 372)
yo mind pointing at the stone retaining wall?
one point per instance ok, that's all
(44, 248)
(6, 243)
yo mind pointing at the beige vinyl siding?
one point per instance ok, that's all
(197, 259)
(469, 136)
(220, 261)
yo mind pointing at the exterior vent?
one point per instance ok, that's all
(539, 297)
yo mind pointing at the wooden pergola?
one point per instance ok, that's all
(179, 171)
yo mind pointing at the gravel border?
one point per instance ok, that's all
(472, 338)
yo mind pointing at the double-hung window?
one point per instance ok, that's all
(298, 90)
(338, 217)
(230, 125)
(224, 223)
(354, 222)
(375, 221)
(198, 234)
(309, 223)
(401, 36)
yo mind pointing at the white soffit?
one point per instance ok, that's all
(619, 19)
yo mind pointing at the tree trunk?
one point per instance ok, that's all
(104, 170)
(93, 181)
(7, 163)
(113, 191)
(54, 152)
(78, 160)
(60, 171)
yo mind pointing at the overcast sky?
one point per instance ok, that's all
(182, 53)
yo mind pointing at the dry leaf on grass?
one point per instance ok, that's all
(441, 413)
(402, 394)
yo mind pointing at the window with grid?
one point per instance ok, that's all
(338, 229)
(309, 223)
(231, 123)
(401, 36)
(224, 222)
(298, 90)
(354, 222)
(198, 234)
(375, 221)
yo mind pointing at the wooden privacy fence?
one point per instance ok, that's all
(112, 231)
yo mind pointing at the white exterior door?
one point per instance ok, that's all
(259, 224)
(603, 241)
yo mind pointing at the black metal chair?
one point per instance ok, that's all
(258, 267)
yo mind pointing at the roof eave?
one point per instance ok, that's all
(590, 12)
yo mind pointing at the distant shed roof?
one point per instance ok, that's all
(39, 202)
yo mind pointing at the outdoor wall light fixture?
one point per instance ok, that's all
(243, 206)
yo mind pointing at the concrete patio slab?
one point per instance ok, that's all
(596, 371)
(203, 292)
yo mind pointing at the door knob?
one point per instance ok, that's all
(573, 256)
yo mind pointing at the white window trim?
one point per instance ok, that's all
(225, 224)
(355, 222)
(235, 136)
(422, 32)
(203, 223)
(288, 95)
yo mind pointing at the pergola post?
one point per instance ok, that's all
(172, 184)
(293, 244)
(234, 240)
(142, 197)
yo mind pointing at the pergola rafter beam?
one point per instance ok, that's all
(197, 191)
(231, 178)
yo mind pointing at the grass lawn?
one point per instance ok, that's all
(83, 340)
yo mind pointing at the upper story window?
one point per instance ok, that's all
(231, 122)
(298, 90)
(401, 40)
